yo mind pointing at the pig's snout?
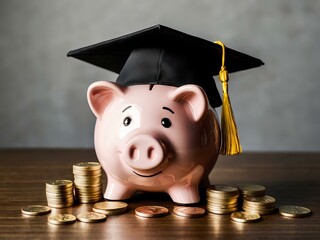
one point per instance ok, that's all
(143, 152)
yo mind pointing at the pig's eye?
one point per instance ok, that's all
(166, 122)
(127, 121)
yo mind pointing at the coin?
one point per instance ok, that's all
(252, 189)
(244, 217)
(109, 213)
(87, 166)
(91, 217)
(221, 210)
(294, 211)
(36, 210)
(59, 184)
(84, 172)
(151, 211)
(264, 200)
(189, 212)
(60, 219)
(259, 211)
(226, 201)
(108, 205)
(222, 205)
(223, 190)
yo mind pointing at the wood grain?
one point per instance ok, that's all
(292, 178)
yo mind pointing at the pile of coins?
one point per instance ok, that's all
(261, 205)
(87, 181)
(59, 193)
(222, 199)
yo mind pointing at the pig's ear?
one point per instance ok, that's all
(101, 94)
(193, 98)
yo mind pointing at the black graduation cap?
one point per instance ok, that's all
(161, 55)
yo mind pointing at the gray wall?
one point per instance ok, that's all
(43, 93)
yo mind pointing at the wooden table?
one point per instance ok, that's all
(292, 178)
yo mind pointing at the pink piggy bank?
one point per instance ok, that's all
(156, 129)
(154, 138)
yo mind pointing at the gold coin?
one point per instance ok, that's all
(258, 208)
(222, 196)
(226, 201)
(222, 211)
(251, 189)
(36, 210)
(108, 205)
(222, 189)
(259, 211)
(189, 212)
(62, 219)
(109, 212)
(91, 217)
(78, 182)
(54, 184)
(245, 217)
(89, 174)
(263, 200)
(294, 211)
(60, 191)
(85, 176)
(222, 205)
(87, 166)
(151, 211)
(59, 198)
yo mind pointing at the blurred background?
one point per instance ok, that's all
(43, 93)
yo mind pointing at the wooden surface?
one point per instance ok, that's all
(291, 178)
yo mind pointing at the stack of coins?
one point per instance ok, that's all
(87, 181)
(261, 205)
(222, 199)
(59, 193)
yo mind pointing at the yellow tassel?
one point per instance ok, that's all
(230, 138)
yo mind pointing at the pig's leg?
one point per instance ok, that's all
(186, 191)
(116, 190)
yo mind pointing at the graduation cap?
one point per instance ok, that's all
(161, 55)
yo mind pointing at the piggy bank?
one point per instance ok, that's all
(154, 138)
(156, 128)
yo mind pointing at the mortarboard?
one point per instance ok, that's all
(161, 55)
